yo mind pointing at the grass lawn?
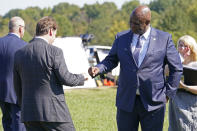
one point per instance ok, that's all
(94, 109)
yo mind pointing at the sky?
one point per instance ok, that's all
(7, 5)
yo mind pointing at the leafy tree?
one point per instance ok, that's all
(13, 12)
(107, 9)
(27, 37)
(193, 14)
(117, 26)
(4, 26)
(64, 26)
(155, 19)
(80, 23)
(92, 11)
(175, 19)
(46, 12)
(104, 20)
(101, 22)
(67, 17)
(66, 10)
(127, 9)
(161, 5)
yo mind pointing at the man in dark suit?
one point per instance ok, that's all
(9, 44)
(40, 72)
(142, 90)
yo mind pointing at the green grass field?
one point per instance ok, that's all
(94, 109)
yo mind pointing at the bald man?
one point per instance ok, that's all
(142, 93)
(9, 44)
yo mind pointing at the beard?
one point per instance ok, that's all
(139, 31)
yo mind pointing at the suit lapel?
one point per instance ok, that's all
(151, 46)
(129, 47)
(129, 41)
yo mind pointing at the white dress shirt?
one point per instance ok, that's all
(42, 38)
(15, 34)
(145, 39)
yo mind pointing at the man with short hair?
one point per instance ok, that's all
(9, 44)
(142, 91)
(40, 72)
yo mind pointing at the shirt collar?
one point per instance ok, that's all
(42, 38)
(15, 34)
(147, 33)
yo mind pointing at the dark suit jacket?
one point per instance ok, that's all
(9, 44)
(39, 73)
(149, 77)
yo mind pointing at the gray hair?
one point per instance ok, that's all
(15, 22)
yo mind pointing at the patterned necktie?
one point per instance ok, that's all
(136, 52)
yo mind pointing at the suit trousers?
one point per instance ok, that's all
(49, 126)
(11, 117)
(149, 121)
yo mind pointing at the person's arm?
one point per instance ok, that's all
(17, 84)
(111, 61)
(191, 89)
(175, 69)
(62, 73)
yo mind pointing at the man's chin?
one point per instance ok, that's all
(139, 32)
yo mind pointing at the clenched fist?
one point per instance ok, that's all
(93, 71)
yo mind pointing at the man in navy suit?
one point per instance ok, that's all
(9, 44)
(142, 91)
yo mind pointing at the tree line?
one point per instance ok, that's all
(178, 17)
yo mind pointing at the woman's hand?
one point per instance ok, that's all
(182, 85)
(191, 89)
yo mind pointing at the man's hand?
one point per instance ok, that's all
(85, 76)
(93, 71)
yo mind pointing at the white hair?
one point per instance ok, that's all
(15, 22)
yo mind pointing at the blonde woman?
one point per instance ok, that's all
(183, 108)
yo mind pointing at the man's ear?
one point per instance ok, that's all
(20, 29)
(50, 32)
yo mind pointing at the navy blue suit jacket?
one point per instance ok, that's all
(149, 77)
(9, 44)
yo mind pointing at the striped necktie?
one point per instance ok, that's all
(136, 52)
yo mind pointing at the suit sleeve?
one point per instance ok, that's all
(62, 73)
(17, 83)
(175, 69)
(111, 61)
